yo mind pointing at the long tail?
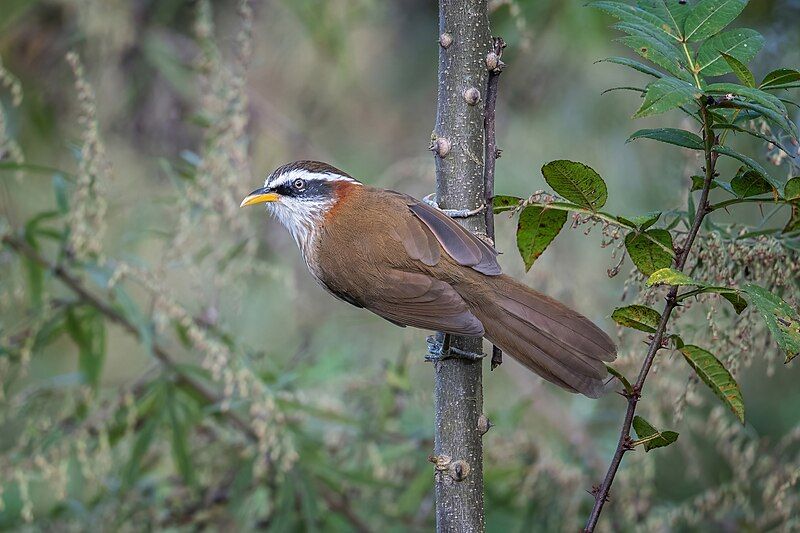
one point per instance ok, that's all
(559, 344)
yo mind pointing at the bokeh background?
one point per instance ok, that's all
(195, 103)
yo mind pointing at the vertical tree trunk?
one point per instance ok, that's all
(464, 43)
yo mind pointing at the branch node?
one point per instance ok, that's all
(445, 40)
(484, 424)
(472, 96)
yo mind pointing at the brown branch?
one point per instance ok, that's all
(495, 66)
(464, 41)
(625, 442)
(335, 503)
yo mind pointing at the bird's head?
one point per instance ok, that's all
(300, 194)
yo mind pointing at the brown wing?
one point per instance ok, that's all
(464, 247)
(412, 299)
(390, 266)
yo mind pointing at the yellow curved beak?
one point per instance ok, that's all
(259, 196)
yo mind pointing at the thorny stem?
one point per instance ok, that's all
(491, 153)
(334, 502)
(633, 397)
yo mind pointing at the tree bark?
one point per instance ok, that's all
(463, 44)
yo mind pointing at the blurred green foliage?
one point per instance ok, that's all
(166, 362)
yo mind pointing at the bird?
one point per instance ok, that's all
(413, 265)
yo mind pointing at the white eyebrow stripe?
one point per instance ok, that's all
(299, 173)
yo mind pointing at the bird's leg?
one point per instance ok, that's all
(439, 349)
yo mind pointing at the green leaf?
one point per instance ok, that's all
(501, 204)
(741, 44)
(699, 181)
(634, 15)
(791, 191)
(576, 182)
(650, 436)
(762, 98)
(180, 445)
(632, 63)
(781, 320)
(741, 70)
(672, 12)
(708, 17)
(637, 317)
(674, 136)
(645, 221)
(537, 228)
(777, 79)
(794, 220)
(670, 276)
(756, 134)
(724, 150)
(651, 48)
(646, 254)
(716, 376)
(665, 94)
(141, 444)
(749, 183)
(731, 295)
(735, 299)
(617, 374)
(87, 330)
(60, 190)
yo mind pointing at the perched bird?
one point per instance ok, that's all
(413, 265)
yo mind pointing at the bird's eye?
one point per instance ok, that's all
(299, 184)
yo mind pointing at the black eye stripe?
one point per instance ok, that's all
(313, 188)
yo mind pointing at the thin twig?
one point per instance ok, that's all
(335, 503)
(491, 152)
(625, 442)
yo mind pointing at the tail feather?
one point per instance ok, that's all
(559, 344)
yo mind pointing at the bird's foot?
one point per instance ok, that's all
(439, 350)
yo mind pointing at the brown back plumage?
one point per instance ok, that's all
(412, 265)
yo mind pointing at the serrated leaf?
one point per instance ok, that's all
(708, 17)
(665, 94)
(777, 79)
(699, 181)
(664, 55)
(632, 63)
(674, 136)
(724, 150)
(576, 182)
(781, 320)
(791, 191)
(741, 70)
(637, 317)
(758, 96)
(650, 437)
(537, 228)
(634, 15)
(714, 374)
(672, 12)
(501, 203)
(670, 276)
(645, 221)
(617, 374)
(741, 44)
(749, 183)
(647, 255)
